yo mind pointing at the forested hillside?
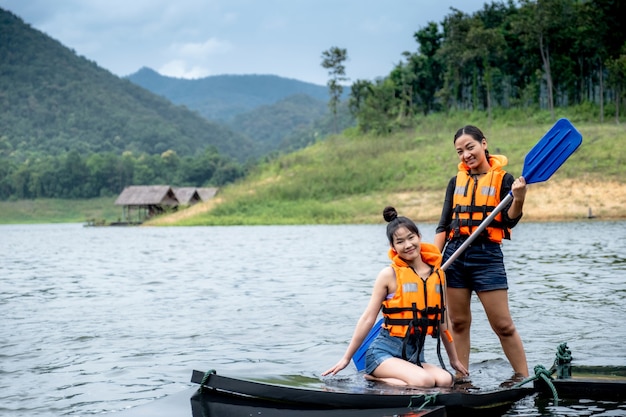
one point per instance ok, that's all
(269, 124)
(531, 54)
(277, 114)
(222, 97)
(53, 101)
(70, 129)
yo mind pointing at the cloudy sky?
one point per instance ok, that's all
(199, 38)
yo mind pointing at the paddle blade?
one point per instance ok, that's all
(359, 355)
(551, 151)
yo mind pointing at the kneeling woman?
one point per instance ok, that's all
(410, 293)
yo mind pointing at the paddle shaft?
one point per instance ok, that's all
(482, 226)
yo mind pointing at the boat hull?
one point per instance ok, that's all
(220, 388)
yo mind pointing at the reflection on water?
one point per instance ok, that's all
(101, 319)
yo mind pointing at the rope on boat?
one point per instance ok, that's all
(561, 365)
(545, 375)
(205, 378)
(428, 399)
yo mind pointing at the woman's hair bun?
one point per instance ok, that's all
(390, 214)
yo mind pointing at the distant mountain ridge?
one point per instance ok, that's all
(271, 126)
(222, 97)
(53, 101)
(277, 114)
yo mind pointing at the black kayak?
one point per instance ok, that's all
(217, 391)
(213, 404)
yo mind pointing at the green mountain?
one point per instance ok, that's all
(222, 97)
(277, 114)
(269, 125)
(53, 101)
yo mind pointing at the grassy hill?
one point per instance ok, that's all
(52, 101)
(350, 178)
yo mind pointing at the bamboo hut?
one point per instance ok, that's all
(187, 196)
(140, 202)
(206, 193)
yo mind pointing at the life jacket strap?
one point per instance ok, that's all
(424, 311)
(473, 209)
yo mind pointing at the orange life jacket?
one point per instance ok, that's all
(473, 201)
(417, 305)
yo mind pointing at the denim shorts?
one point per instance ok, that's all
(385, 346)
(480, 267)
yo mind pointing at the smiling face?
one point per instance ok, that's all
(406, 243)
(472, 153)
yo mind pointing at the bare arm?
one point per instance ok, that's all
(367, 319)
(448, 343)
(441, 233)
(440, 240)
(518, 189)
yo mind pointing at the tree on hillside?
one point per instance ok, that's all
(333, 60)
(542, 25)
(488, 49)
(427, 66)
(456, 78)
(617, 78)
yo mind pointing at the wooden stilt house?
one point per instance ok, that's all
(140, 202)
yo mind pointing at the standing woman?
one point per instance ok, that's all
(471, 196)
(410, 293)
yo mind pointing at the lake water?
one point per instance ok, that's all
(98, 320)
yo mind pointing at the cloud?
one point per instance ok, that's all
(193, 59)
(181, 69)
(195, 38)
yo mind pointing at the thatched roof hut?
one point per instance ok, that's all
(146, 200)
(187, 195)
(207, 193)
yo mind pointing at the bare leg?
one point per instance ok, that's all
(397, 371)
(390, 381)
(442, 377)
(461, 318)
(496, 305)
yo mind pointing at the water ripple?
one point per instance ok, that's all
(102, 319)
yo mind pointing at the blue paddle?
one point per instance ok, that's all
(543, 160)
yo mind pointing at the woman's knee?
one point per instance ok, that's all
(460, 324)
(444, 379)
(505, 328)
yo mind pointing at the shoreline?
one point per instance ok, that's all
(557, 200)
(552, 201)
